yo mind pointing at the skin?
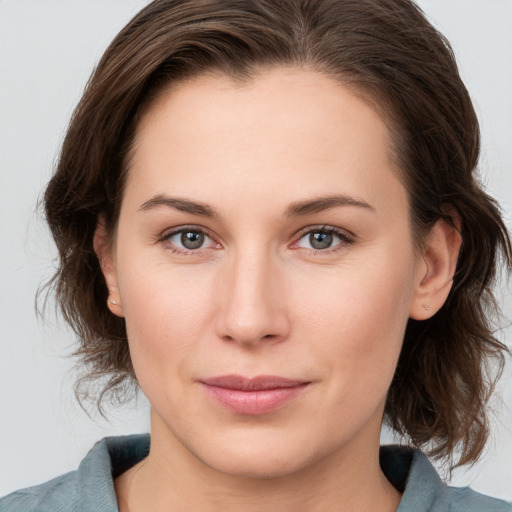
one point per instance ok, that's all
(257, 298)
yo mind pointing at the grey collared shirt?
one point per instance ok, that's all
(91, 487)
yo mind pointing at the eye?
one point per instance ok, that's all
(192, 239)
(323, 239)
(188, 239)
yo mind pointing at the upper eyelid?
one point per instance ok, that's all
(343, 233)
(165, 239)
(180, 229)
(325, 227)
(345, 236)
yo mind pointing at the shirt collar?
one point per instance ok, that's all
(412, 474)
(407, 469)
(107, 459)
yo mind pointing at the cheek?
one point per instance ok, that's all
(166, 311)
(358, 319)
(366, 298)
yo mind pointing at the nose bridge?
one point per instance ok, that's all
(252, 309)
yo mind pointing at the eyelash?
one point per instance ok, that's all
(344, 237)
(165, 239)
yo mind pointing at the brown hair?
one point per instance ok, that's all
(383, 49)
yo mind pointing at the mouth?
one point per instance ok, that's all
(253, 396)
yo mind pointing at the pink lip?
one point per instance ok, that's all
(258, 395)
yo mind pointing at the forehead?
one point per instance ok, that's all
(290, 94)
(295, 129)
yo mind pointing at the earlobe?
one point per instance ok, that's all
(435, 275)
(105, 254)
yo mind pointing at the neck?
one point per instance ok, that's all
(173, 479)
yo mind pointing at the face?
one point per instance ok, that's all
(265, 267)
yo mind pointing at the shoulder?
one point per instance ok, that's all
(464, 499)
(53, 496)
(412, 473)
(90, 487)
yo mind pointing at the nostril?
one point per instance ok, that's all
(252, 339)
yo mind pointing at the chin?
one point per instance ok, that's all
(255, 467)
(258, 458)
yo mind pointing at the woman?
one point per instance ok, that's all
(268, 218)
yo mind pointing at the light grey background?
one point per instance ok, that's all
(47, 51)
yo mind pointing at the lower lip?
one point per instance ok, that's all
(254, 402)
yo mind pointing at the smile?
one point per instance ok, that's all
(259, 395)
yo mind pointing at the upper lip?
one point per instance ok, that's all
(258, 383)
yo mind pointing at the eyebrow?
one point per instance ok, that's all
(296, 209)
(183, 205)
(320, 204)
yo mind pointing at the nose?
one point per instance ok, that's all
(253, 305)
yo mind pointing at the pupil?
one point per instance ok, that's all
(320, 240)
(192, 239)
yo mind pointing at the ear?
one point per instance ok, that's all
(106, 257)
(435, 273)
